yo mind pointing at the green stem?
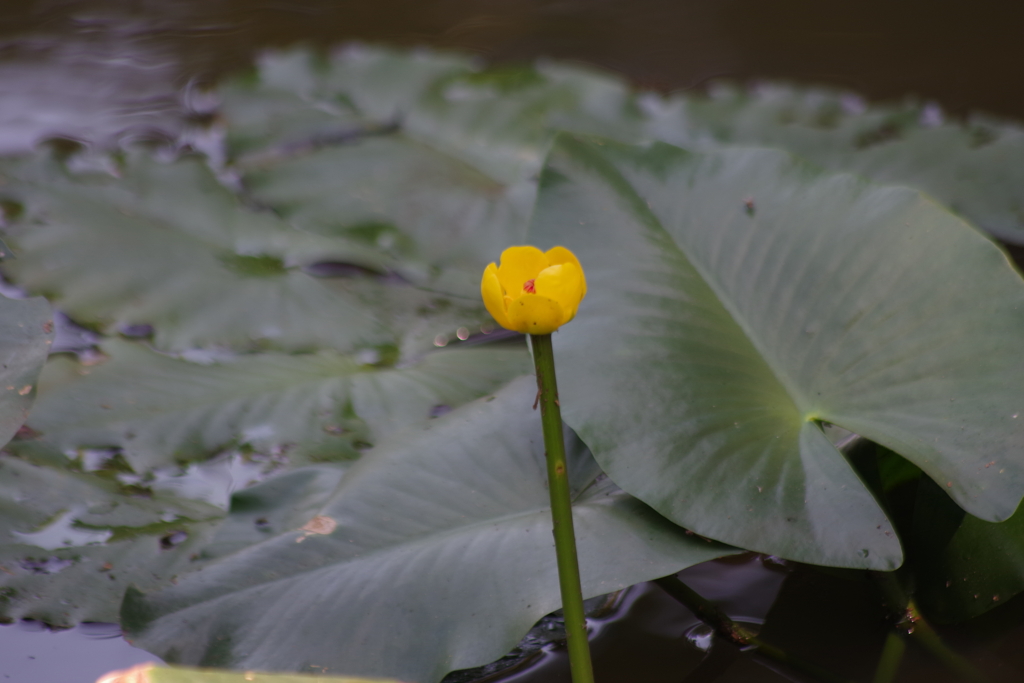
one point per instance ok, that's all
(892, 655)
(918, 630)
(561, 511)
(726, 628)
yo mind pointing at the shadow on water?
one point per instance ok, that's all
(104, 71)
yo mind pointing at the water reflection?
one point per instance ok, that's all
(700, 636)
(105, 85)
(30, 653)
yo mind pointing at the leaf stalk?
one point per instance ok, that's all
(910, 621)
(892, 656)
(738, 635)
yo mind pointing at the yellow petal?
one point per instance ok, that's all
(564, 284)
(519, 264)
(559, 255)
(494, 298)
(532, 314)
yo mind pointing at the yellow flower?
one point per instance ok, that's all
(533, 291)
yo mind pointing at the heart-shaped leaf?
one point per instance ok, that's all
(737, 299)
(439, 540)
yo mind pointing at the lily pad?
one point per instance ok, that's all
(405, 199)
(501, 120)
(738, 299)
(454, 182)
(169, 247)
(159, 409)
(383, 82)
(282, 104)
(26, 333)
(439, 540)
(72, 541)
(969, 165)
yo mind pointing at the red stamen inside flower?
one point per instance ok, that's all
(528, 287)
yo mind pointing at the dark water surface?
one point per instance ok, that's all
(105, 71)
(29, 653)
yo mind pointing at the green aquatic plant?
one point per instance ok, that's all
(776, 353)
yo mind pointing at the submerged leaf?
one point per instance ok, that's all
(439, 540)
(715, 339)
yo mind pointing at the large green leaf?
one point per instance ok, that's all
(286, 502)
(160, 409)
(737, 299)
(26, 333)
(971, 166)
(71, 541)
(439, 540)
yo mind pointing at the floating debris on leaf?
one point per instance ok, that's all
(49, 565)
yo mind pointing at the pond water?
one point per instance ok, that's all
(30, 653)
(102, 71)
